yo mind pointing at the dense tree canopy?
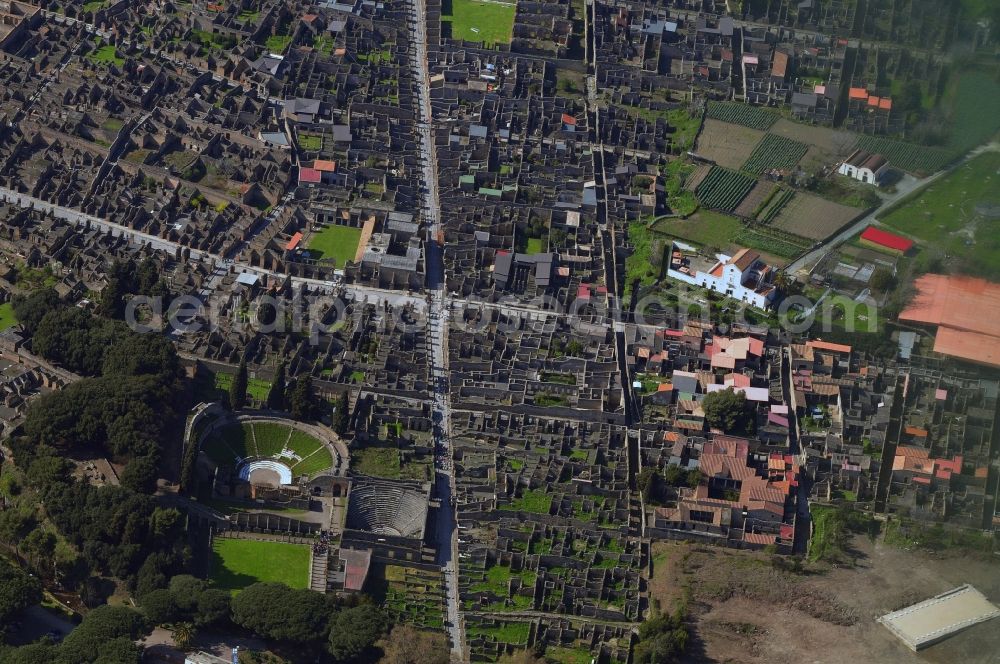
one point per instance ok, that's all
(123, 417)
(275, 611)
(406, 645)
(276, 396)
(355, 630)
(18, 591)
(728, 410)
(31, 309)
(662, 639)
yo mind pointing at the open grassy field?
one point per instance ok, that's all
(472, 20)
(974, 117)
(7, 318)
(957, 215)
(376, 461)
(337, 242)
(704, 227)
(238, 563)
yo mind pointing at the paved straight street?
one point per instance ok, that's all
(446, 532)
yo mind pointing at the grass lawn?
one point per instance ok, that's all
(704, 227)
(310, 142)
(535, 245)
(846, 311)
(278, 43)
(512, 632)
(487, 22)
(953, 216)
(112, 124)
(568, 655)
(107, 55)
(238, 563)
(821, 543)
(337, 242)
(7, 318)
(536, 502)
(377, 462)
(256, 387)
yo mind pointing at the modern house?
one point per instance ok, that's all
(744, 277)
(865, 167)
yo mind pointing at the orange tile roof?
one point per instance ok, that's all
(885, 104)
(956, 304)
(819, 344)
(858, 93)
(916, 431)
(325, 165)
(907, 450)
(874, 101)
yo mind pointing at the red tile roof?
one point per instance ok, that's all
(309, 175)
(886, 239)
(819, 344)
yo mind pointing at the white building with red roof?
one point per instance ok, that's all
(743, 276)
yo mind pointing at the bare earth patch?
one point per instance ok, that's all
(727, 144)
(744, 611)
(813, 217)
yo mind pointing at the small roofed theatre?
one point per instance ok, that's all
(865, 167)
(744, 276)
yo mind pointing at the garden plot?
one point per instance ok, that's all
(727, 144)
(907, 157)
(813, 217)
(741, 114)
(775, 152)
(759, 196)
(723, 189)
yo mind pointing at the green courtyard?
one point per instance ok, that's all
(489, 22)
(337, 242)
(7, 318)
(238, 563)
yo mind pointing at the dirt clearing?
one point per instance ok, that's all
(727, 144)
(744, 611)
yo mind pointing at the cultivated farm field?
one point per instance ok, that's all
(759, 195)
(723, 189)
(907, 157)
(775, 151)
(754, 117)
(727, 144)
(813, 217)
